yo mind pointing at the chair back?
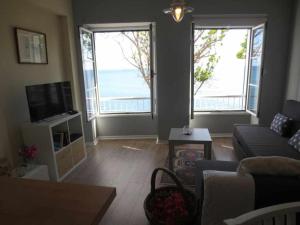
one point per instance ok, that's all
(283, 214)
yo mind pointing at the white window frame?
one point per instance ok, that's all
(93, 61)
(232, 21)
(245, 72)
(259, 85)
(143, 26)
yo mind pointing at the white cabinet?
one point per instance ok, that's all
(60, 143)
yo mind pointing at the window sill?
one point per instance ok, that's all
(222, 113)
(123, 115)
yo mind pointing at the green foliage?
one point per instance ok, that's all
(241, 54)
(203, 74)
(205, 55)
(87, 43)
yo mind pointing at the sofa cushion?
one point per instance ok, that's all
(295, 141)
(261, 141)
(270, 165)
(280, 124)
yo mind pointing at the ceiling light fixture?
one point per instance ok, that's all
(178, 9)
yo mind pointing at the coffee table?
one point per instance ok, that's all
(198, 136)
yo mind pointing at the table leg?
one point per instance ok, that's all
(207, 151)
(171, 155)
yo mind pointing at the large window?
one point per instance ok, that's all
(124, 71)
(220, 69)
(224, 77)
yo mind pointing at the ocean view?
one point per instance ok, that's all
(123, 91)
(122, 83)
(126, 91)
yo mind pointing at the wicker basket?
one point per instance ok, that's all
(189, 199)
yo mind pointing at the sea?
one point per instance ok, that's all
(122, 83)
(123, 91)
(126, 91)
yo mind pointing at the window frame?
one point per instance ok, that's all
(261, 72)
(194, 27)
(128, 28)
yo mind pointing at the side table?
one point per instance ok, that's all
(198, 136)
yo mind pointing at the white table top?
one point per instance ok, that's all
(198, 135)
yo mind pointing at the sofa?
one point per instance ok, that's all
(255, 140)
(223, 193)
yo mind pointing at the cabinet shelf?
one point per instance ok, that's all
(60, 144)
(71, 143)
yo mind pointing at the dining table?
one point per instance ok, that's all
(33, 202)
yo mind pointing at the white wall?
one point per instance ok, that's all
(126, 125)
(220, 123)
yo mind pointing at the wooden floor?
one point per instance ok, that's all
(127, 165)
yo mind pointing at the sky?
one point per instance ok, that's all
(108, 53)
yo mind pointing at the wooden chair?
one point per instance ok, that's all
(283, 214)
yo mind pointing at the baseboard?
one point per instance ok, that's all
(161, 142)
(127, 137)
(92, 143)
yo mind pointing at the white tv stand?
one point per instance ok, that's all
(60, 143)
(53, 118)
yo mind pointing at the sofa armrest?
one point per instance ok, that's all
(226, 195)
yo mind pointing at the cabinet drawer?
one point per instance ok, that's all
(78, 151)
(64, 161)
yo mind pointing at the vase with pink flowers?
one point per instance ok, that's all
(28, 154)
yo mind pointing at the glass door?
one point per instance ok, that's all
(89, 72)
(255, 68)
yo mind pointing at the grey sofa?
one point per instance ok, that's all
(256, 140)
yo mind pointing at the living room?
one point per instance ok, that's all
(122, 149)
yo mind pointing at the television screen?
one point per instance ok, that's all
(46, 100)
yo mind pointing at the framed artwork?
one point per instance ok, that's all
(31, 46)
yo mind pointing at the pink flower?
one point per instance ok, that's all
(28, 152)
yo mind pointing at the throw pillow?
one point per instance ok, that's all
(270, 165)
(295, 141)
(281, 124)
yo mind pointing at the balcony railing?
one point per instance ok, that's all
(143, 104)
(219, 103)
(125, 105)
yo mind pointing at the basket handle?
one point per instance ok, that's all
(170, 173)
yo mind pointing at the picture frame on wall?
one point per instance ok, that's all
(31, 46)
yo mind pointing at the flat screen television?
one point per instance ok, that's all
(47, 100)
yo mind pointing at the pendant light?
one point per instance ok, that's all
(178, 9)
